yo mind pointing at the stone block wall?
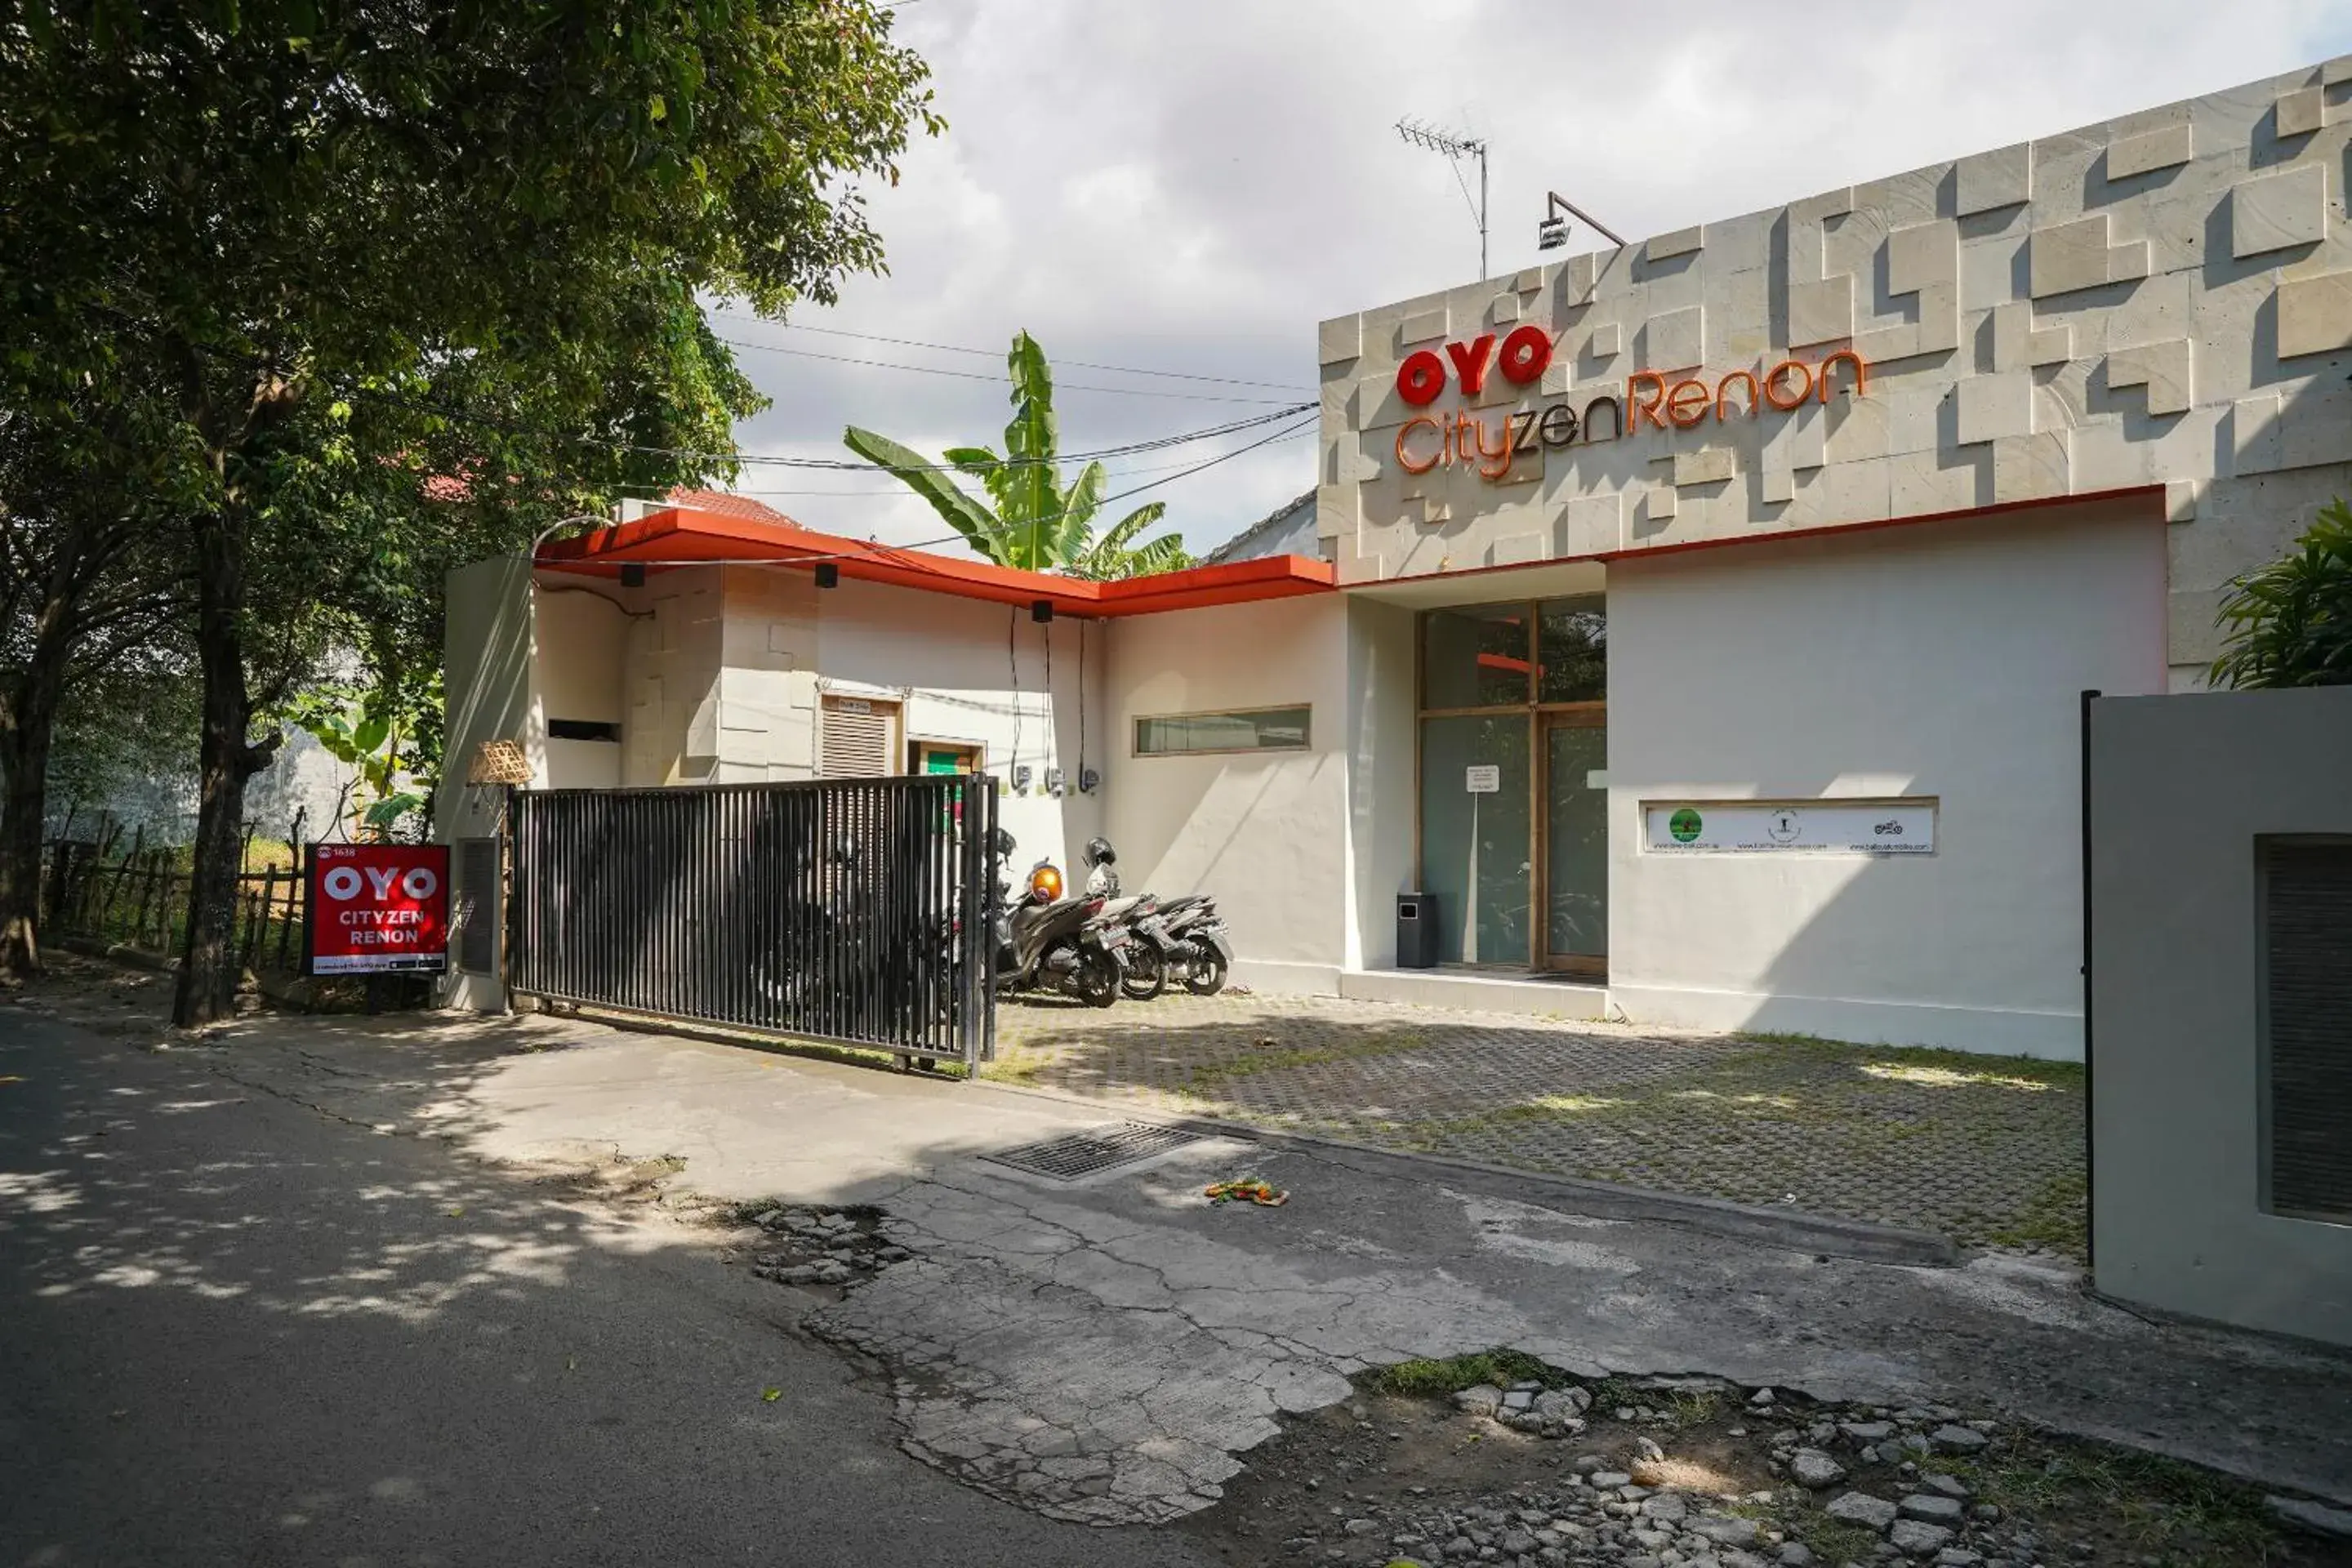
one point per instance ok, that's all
(2162, 302)
(719, 678)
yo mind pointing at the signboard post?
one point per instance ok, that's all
(377, 909)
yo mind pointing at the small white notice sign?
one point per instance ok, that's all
(1819, 827)
(1483, 778)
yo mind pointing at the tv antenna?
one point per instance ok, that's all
(1456, 149)
(1552, 232)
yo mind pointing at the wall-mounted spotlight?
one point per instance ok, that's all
(828, 573)
(633, 574)
(1552, 232)
(1041, 611)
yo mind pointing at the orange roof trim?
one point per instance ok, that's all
(679, 536)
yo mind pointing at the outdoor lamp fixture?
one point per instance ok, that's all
(633, 574)
(1551, 233)
(828, 573)
(1041, 610)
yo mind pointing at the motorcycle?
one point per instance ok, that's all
(1048, 943)
(1193, 947)
(1144, 976)
(1182, 939)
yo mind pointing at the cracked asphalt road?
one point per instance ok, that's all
(239, 1331)
(1110, 1352)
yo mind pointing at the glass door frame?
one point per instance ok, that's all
(1540, 717)
(1559, 716)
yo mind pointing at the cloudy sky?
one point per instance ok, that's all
(1190, 186)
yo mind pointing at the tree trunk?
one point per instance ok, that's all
(31, 710)
(208, 974)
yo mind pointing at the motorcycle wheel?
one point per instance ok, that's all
(1207, 977)
(1097, 982)
(1145, 978)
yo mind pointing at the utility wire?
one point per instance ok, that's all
(899, 491)
(876, 547)
(976, 375)
(999, 354)
(833, 465)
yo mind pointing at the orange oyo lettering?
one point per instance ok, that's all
(1772, 383)
(1861, 373)
(1404, 462)
(1498, 457)
(1688, 404)
(1723, 389)
(1635, 407)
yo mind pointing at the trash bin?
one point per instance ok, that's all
(1416, 931)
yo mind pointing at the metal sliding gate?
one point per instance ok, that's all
(854, 910)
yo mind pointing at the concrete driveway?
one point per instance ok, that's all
(1109, 1350)
(241, 1331)
(1988, 1150)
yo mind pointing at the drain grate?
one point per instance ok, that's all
(1076, 1155)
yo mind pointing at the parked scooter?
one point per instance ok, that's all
(1143, 975)
(1193, 946)
(1180, 940)
(1048, 943)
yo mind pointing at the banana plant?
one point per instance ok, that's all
(364, 730)
(1029, 521)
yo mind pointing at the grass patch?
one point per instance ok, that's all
(1451, 1375)
(1687, 1408)
(1024, 1072)
(1251, 1063)
(2169, 1513)
(1934, 1066)
(2054, 1216)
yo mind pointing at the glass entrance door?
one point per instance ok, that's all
(1514, 835)
(1575, 840)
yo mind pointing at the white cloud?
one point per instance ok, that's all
(1191, 185)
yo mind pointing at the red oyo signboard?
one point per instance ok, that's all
(377, 907)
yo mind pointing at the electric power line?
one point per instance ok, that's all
(876, 547)
(901, 491)
(999, 354)
(827, 464)
(998, 380)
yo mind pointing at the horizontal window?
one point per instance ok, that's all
(581, 730)
(1245, 730)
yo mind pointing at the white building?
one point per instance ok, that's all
(1704, 623)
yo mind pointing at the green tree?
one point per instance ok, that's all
(87, 585)
(2289, 623)
(1030, 522)
(289, 203)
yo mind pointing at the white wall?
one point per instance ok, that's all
(974, 673)
(486, 677)
(578, 634)
(486, 652)
(1383, 719)
(1939, 660)
(1267, 833)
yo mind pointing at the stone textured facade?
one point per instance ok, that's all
(719, 678)
(2162, 302)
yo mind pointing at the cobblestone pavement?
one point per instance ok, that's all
(1987, 1149)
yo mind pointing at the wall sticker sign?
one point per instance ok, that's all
(375, 908)
(1460, 438)
(1483, 778)
(1774, 827)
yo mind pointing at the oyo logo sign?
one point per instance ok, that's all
(1526, 355)
(418, 882)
